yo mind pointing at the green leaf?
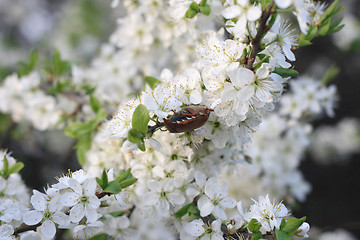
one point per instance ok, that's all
(140, 119)
(82, 146)
(59, 66)
(101, 236)
(292, 224)
(117, 214)
(330, 75)
(286, 72)
(283, 223)
(256, 235)
(135, 136)
(254, 225)
(182, 211)
(203, 2)
(335, 23)
(337, 29)
(312, 32)
(194, 6)
(190, 13)
(281, 235)
(128, 182)
(141, 146)
(303, 42)
(76, 129)
(95, 104)
(152, 82)
(113, 187)
(99, 181)
(193, 210)
(16, 168)
(88, 88)
(124, 174)
(328, 11)
(104, 179)
(81, 155)
(324, 28)
(26, 68)
(60, 86)
(5, 170)
(206, 10)
(101, 115)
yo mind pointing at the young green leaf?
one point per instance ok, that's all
(117, 214)
(5, 170)
(101, 236)
(113, 187)
(286, 72)
(16, 168)
(334, 24)
(293, 224)
(99, 181)
(95, 104)
(128, 182)
(194, 211)
(254, 225)
(328, 11)
(124, 174)
(190, 13)
(330, 75)
(194, 6)
(281, 235)
(76, 129)
(152, 82)
(141, 146)
(101, 115)
(182, 211)
(104, 179)
(140, 119)
(135, 136)
(206, 10)
(324, 28)
(82, 146)
(256, 235)
(28, 67)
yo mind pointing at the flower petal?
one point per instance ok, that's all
(205, 206)
(195, 228)
(69, 199)
(61, 218)
(253, 13)
(38, 200)
(77, 213)
(32, 217)
(48, 229)
(176, 198)
(195, 97)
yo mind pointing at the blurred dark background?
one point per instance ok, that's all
(334, 200)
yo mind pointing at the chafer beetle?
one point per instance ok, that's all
(187, 119)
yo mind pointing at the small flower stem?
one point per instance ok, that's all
(256, 42)
(27, 228)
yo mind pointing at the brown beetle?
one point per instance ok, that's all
(187, 119)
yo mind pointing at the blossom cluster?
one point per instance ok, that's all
(72, 203)
(23, 98)
(335, 143)
(76, 202)
(14, 200)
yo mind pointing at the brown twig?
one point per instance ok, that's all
(256, 42)
(27, 228)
